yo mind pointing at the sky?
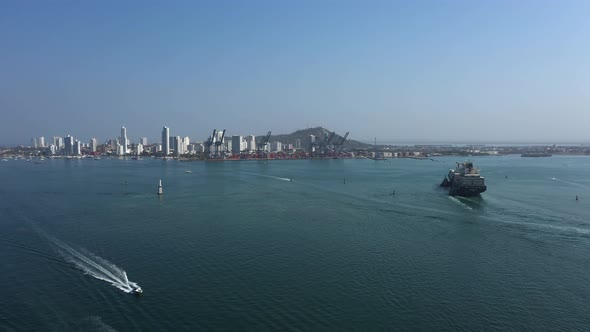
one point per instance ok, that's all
(400, 71)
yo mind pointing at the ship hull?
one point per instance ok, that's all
(467, 191)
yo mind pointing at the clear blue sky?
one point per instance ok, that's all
(500, 71)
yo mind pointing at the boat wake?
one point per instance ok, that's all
(270, 176)
(456, 200)
(570, 182)
(93, 265)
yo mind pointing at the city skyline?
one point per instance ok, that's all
(421, 71)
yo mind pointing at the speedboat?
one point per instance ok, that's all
(136, 290)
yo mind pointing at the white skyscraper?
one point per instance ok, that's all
(276, 146)
(139, 149)
(52, 149)
(166, 141)
(34, 143)
(123, 140)
(251, 142)
(93, 145)
(143, 141)
(41, 142)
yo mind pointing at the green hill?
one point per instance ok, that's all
(318, 132)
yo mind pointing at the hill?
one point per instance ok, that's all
(318, 132)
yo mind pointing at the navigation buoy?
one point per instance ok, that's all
(160, 192)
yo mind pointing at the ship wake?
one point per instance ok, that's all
(92, 264)
(456, 200)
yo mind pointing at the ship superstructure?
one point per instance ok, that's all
(464, 180)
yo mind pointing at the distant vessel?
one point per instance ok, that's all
(188, 171)
(160, 192)
(535, 155)
(136, 290)
(464, 181)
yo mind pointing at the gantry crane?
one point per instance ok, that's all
(262, 144)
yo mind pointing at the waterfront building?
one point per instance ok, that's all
(41, 142)
(77, 148)
(123, 140)
(227, 144)
(236, 144)
(298, 143)
(139, 149)
(177, 145)
(276, 146)
(58, 142)
(251, 143)
(34, 142)
(69, 145)
(143, 141)
(52, 150)
(120, 150)
(93, 145)
(166, 141)
(311, 143)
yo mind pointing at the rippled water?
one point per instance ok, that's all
(346, 245)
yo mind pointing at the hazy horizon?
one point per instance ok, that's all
(420, 71)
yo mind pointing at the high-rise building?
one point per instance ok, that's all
(52, 150)
(276, 146)
(236, 144)
(41, 142)
(69, 145)
(139, 149)
(166, 141)
(93, 145)
(143, 141)
(34, 142)
(311, 143)
(58, 142)
(177, 145)
(251, 143)
(298, 143)
(123, 140)
(77, 148)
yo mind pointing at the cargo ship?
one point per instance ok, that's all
(464, 181)
(531, 154)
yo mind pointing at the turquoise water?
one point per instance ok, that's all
(237, 246)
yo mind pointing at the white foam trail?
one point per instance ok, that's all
(93, 265)
(99, 325)
(567, 229)
(454, 199)
(270, 176)
(570, 182)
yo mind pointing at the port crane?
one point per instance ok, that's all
(218, 145)
(324, 146)
(338, 146)
(262, 144)
(209, 143)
